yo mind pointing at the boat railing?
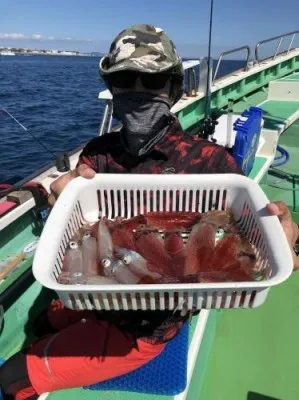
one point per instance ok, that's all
(228, 52)
(280, 40)
(191, 83)
(195, 84)
(106, 123)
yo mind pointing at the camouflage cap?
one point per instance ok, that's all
(146, 49)
(142, 48)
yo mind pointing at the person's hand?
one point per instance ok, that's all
(291, 229)
(59, 184)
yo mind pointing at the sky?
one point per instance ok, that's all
(90, 25)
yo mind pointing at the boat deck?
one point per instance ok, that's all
(293, 77)
(282, 189)
(280, 118)
(277, 114)
(250, 342)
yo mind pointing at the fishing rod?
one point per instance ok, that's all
(62, 162)
(210, 122)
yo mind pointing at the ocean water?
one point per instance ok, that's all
(55, 99)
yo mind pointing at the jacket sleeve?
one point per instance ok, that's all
(90, 156)
(221, 162)
(88, 160)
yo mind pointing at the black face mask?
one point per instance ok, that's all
(145, 118)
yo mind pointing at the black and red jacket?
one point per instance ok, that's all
(176, 153)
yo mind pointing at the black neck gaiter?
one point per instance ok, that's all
(145, 118)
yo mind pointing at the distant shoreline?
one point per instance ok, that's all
(9, 51)
(5, 51)
(99, 55)
(52, 55)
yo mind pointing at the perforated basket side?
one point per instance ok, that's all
(165, 300)
(265, 232)
(203, 193)
(130, 195)
(131, 202)
(130, 198)
(65, 219)
(75, 222)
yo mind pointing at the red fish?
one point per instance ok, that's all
(150, 246)
(78, 235)
(248, 264)
(173, 243)
(199, 249)
(246, 247)
(219, 218)
(237, 274)
(123, 237)
(135, 223)
(172, 220)
(94, 229)
(175, 246)
(227, 275)
(239, 269)
(226, 251)
(207, 245)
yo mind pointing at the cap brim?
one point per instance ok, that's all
(127, 65)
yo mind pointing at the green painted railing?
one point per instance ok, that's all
(195, 112)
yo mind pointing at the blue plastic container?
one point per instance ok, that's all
(2, 361)
(247, 138)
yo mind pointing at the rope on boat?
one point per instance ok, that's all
(284, 156)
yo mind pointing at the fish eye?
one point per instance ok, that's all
(126, 260)
(106, 263)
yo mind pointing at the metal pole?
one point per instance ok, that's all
(217, 67)
(291, 42)
(277, 48)
(104, 119)
(110, 117)
(208, 91)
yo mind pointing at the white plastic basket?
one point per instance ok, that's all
(130, 195)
